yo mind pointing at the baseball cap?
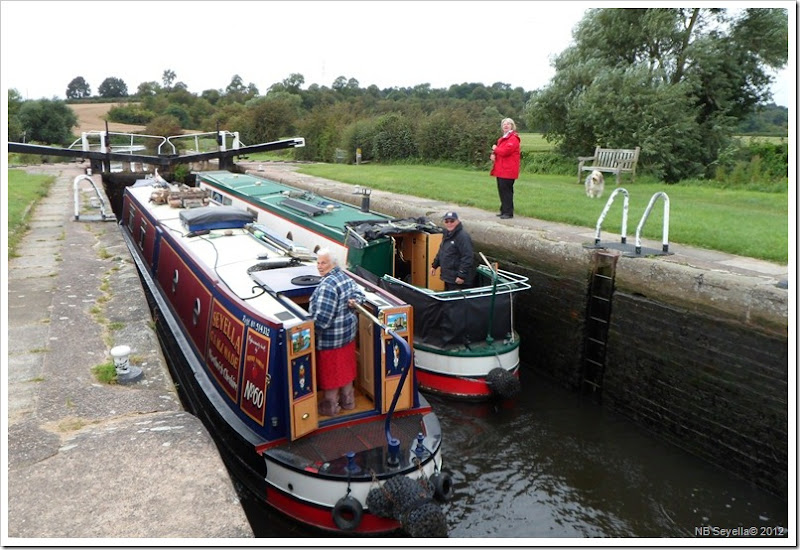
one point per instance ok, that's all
(453, 215)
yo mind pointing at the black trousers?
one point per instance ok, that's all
(505, 188)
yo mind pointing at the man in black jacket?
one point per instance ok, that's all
(455, 255)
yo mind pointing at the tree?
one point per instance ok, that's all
(47, 121)
(237, 92)
(674, 81)
(269, 118)
(148, 89)
(294, 82)
(113, 87)
(15, 131)
(164, 125)
(168, 77)
(78, 89)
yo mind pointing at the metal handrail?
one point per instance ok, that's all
(76, 190)
(84, 139)
(609, 202)
(665, 223)
(515, 283)
(223, 133)
(404, 363)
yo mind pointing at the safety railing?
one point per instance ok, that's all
(602, 217)
(665, 223)
(101, 203)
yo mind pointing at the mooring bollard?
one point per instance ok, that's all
(125, 372)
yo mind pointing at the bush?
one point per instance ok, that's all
(394, 138)
(548, 163)
(752, 163)
(130, 114)
(359, 134)
(457, 135)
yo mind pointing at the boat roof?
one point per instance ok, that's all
(327, 215)
(238, 260)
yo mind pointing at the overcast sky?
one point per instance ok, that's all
(47, 44)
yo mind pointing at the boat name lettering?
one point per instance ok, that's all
(223, 324)
(255, 395)
(227, 353)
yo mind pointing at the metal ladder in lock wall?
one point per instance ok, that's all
(598, 318)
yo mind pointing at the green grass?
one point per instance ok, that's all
(105, 373)
(531, 142)
(742, 222)
(24, 191)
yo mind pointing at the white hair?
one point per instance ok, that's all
(327, 252)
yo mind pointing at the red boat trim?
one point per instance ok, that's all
(321, 517)
(454, 385)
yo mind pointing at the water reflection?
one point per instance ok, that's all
(551, 465)
(554, 465)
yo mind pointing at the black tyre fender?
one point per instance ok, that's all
(442, 486)
(347, 513)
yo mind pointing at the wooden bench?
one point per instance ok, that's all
(616, 161)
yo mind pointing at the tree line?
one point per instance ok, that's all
(677, 82)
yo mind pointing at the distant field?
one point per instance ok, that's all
(534, 143)
(91, 117)
(762, 139)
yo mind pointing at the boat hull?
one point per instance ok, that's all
(281, 471)
(462, 375)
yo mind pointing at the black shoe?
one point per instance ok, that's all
(498, 215)
(505, 217)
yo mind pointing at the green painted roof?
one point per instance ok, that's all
(303, 207)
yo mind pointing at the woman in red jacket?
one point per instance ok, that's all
(506, 156)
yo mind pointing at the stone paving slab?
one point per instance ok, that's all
(88, 460)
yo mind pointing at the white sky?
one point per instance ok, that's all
(47, 44)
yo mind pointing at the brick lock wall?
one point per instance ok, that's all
(711, 386)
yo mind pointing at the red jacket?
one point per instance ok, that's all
(506, 157)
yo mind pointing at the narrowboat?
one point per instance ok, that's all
(230, 303)
(465, 344)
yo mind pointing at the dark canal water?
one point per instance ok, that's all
(552, 465)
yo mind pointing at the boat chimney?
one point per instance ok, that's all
(364, 192)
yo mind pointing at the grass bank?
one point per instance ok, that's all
(24, 192)
(746, 223)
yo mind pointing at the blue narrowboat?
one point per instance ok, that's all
(230, 301)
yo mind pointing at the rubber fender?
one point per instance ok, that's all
(347, 513)
(442, 486)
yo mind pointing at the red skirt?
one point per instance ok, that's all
(336, 367)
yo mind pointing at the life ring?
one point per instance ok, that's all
(442, 486)
(347, 513)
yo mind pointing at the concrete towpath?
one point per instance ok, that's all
(88, 460)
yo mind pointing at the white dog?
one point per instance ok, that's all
(594, 184)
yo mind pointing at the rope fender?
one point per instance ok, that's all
(502, 383)
(410, 502)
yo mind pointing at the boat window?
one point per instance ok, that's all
(142, 232)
